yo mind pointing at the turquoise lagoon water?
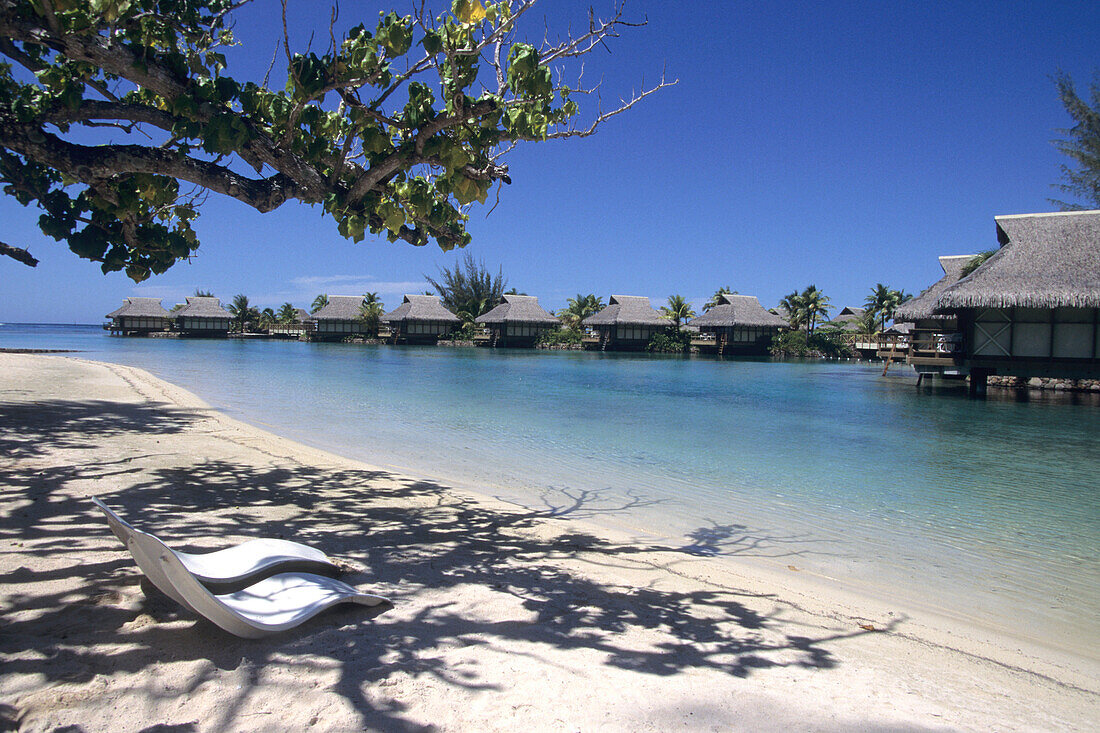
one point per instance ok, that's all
(986, 509)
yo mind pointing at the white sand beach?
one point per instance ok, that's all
(502, 618)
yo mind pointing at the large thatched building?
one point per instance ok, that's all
(339, 318)
(627, 323)
(848, 319)
(202, 316)
(518, 321)
(740, 325)
(1033, 308)
(138, 317)
(420, 319)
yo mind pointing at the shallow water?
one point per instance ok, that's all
(985, 508)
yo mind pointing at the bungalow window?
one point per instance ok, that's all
(425, 329)
(521, 329)
(634, 333)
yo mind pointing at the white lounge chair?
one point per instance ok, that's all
(232, 567)
(274, 604)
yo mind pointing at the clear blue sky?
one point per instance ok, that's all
(839, 144)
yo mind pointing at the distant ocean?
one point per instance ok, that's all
(987, 509)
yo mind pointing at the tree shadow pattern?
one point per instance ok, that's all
(403, 537)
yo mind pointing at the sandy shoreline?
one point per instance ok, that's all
(502, 618)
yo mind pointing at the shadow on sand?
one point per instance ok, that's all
(410, 538)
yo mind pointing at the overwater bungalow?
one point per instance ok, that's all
(1031, 310)
(137, 317)
(626, 324)
(518, 321)
(202, 316)
(339, 318)
(740, 325)
(934, 339)
(420, 319)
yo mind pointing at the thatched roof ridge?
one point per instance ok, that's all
(420, 308)
(202, 307)
(1045, 261)
(518, 309)
(140, 308)
(627, 310)
(923, 306)
(340, 308)
(738, 310)
(849, 313)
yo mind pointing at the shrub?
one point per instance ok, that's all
(670, 341)
(559, 337)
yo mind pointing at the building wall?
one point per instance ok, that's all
(1059, 333)
(525, 329)
(429, 328)
(335, 327)
(187, 323)
(634, 333)
(142, 323)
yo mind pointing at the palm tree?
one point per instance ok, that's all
(815, 304)
(200, 293)
(578, 309)
(371, 311)
(242, 311)
(876, 302)
(287, 313)
(318, 303)
(267, 318)
(792, 304)
(714, 299)
(883, 301)
(677, 310)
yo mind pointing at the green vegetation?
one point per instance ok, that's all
(242, 311)
(1081, 144)
(881, 304)
(669, 341)
(724, 290)
(287, 313)
(827, 342)
(391, 131)
(469, 290)
(318, 303)
(805, 308)
(677, 310)
(579, 308)
(370, 313)
(559, 337)
(976, 262)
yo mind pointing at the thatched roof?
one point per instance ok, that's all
(420, 308)
(518, 309)
(1045, 261)
(738, 310)
(202, 307)
(923, 306)
(847, 319)
(900, 328)
(849, 313)
(627, 310)
(340, 308)
(140, 308)
(301, 315)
